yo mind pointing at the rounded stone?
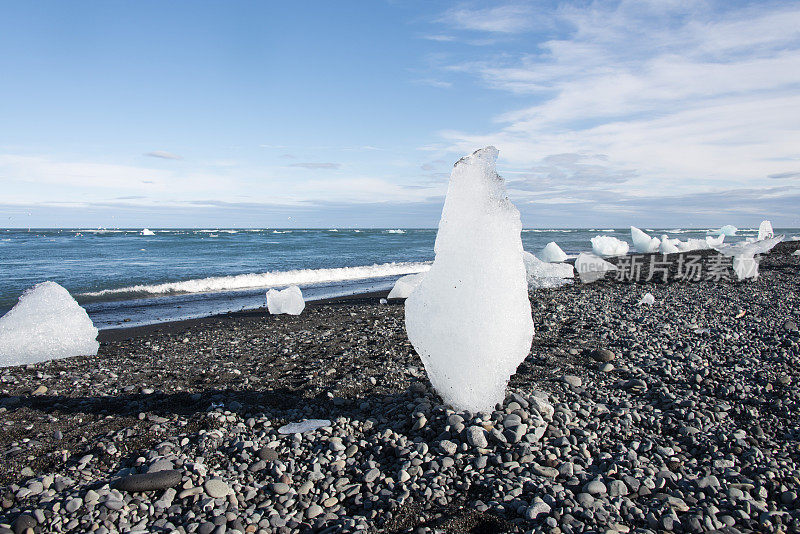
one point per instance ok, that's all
(149, 481)
(216, 488)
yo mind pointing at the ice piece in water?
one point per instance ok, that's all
(542, 274)
(644, 243)
(728, 230)
(606, 245)
(470, 318)
(591, 268)
(147, 231)
(668, 246)
(289, 300)
(46, 324)
(648, 299)
(552, 253)
(303, 426)
(405, 285)
(745, 265)
(715, 241)
(765, 230)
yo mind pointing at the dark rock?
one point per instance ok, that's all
(149, 481)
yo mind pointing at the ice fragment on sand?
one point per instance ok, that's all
(146, 231)
(765, 230)
(46, 324)
(303, 426)
(405, 285)
(552, 253)
(745, 265)
(591, 268)
(470, 317)
(648, 299)
(605, 245)
(644, 243)
(542, 274)
(289, 300)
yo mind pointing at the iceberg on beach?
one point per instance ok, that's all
(591, 268)
(605, 245)
(289, 301)
(644, 243)
(542, 274)
(745, 265)
(470, 318)
(765, 230)
(728, 230)
(147, 231)
(46, 324)
(552, 253)
(668, 246)
(405, 285)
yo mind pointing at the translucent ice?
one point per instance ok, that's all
(796, 253)
(46, 324)
(405, 285)
(728, 230)
(303, 426)
(605, 245)
(542, 274)
(644, 243)
(648, 299)
(289, 300)
(146, 231)
(765, 230)
(745, 265)
(715, 241)
(470, 318)
(668, 246)
(591, 268)
(552, 253)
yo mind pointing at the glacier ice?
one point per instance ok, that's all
(668, 246)
(470, 318)
(303, 426)
(648, 299)
(289, 300)
(745, 265)
(728, 230)
(606, 245)
(591, 268)
(712, 242)
(147, 231)
(552, 253)
(542, 274)
(765, 230)
(644, 243)
(405, 285)
(46, 324)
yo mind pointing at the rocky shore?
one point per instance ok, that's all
(681, 416)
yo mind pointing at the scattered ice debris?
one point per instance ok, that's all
(405, 285)
(303, 426)
(605, 245)
(46, 324)
(648, 299)
(796, 252)
(591, 268)
(668, 246)
(765, 230)
(745, 265)
(552, 253)
(542, 274)
(289, 300)
(470, 317)
(644, 243)
(147, 231)
(728, 230)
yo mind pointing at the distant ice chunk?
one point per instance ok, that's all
(46, 324)
(648, 299)
(668, 246)
(303, 426)
(147, 231)
(765, 230)
(745, 265)
(289, 300)
(542, 274)
(591, 268)
(644, 243)
(606, 245)
(728, 230)
(405, 285)
(470, 318)
(552, 253)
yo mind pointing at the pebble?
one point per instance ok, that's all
(149, 481)
(216, 488)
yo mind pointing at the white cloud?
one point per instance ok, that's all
(163, 155)
(498, 19)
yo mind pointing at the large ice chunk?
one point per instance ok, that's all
(644, 243)
(405, 285)
(470, 318)
(765, 230)
(606, 245)
(552, 253)
(289, 300)
(46, 324)
(591, 268)
(745, 265)
(728, 230)
(542, 274)
(668, 246)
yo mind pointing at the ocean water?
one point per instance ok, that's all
(124, 278)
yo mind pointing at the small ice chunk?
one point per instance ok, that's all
(728, 230)
(147, 231)
(470, 318)
(405, 285)
(303, 426)
(696, 244)
(46, 324)
(606, 245)
(542, 274)
(796, 252)
(289, 300)
(552, 253)
(668, 246)
(765, 230)
(648, 299)
(745, 265)
(715, 241)
(591, 268)
(644, 243)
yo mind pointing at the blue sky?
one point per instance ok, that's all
(352, 113)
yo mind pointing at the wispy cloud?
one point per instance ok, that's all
(316, 166)
(434, 83)
(512, 18)
(163, 155)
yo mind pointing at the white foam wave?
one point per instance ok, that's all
(398, 231)
(265, 280)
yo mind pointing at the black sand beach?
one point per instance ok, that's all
(680, 416)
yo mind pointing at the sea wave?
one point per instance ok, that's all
(262, 280)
